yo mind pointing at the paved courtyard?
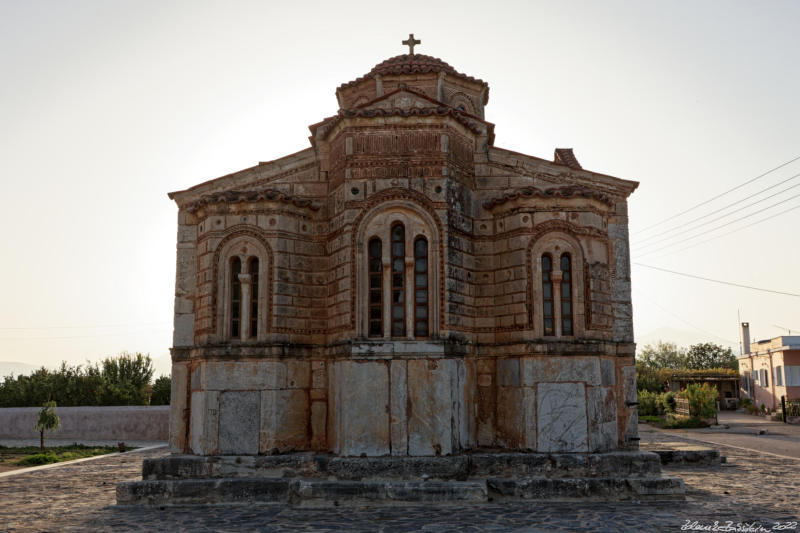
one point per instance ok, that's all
(749, 488)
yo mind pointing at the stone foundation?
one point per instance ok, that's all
(308, 479)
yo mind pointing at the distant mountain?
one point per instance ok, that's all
(18, 369)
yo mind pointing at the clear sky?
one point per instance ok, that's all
(107, 106)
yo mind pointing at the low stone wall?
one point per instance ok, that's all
(90, 423)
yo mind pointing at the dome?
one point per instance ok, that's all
(411, 64)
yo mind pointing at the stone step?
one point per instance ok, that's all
(298, 492)
(456, 467)
(605, 489)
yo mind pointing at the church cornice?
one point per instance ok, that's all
(569, 191)
(264, 195)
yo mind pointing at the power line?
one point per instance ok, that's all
(724, 208)
(717, 281)
(718, 196)
(727, 215)
(651, 252)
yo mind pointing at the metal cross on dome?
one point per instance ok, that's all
(411, 42)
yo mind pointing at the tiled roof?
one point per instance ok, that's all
(234, 197)
(410, 64)
(566, 156)
(570, 191)
(473, 125)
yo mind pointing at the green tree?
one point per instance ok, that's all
(127, 379)
(161, 391)
(663, 355)
(708, 355)
(47, 420)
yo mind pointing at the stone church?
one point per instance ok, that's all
(403, 287)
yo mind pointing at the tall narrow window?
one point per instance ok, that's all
(252, 267)
(375, 250)
(547, 295)
(236, 298)
(398, 280)
(566, 295)
(420, 287)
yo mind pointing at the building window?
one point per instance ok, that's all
(252, 269)
(398, 300)
(421, 287)
(375, 273)
(397, 289)
(244, 304)
(778, 376)
(754, 374)
(764, 380)
(566, 295)
(792, 376)
(236, 297)
(547, 295)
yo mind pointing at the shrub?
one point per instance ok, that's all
(702, 400)
(667, 401)
(648, 403)
(684, 423)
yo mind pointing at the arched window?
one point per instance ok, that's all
(375, 273)
(547, 295)
(421, 287)
(252, 269)
(236, 297)
(566, 294)
(398, 280)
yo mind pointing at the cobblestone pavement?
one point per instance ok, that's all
(749, 488)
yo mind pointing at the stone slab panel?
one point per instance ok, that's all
(511, 417)
(607, 373)
(430, 402)
(556, 369)
(508, 372)
(204, 422)
(284, 421)
(562, 424)
(177, 410)
(399, 401)
(238, 422)
(362, 390)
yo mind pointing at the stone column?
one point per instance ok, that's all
(556, 278)
(244, 327)
(387, 296)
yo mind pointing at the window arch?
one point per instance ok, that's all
(396, 274)
(557, 286)
(241, 302)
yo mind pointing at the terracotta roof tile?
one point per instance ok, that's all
(565, 156)
(410, 64)
(570, 191)
(473, 125)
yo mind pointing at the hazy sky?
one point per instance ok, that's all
(107, 106)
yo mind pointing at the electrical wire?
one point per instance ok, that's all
(717, 196)
(651, 252)
(723, 208)
(717, 280)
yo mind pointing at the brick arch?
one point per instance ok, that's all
(243, 232)
(461, 98)
(419, 204)
(542, 238)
